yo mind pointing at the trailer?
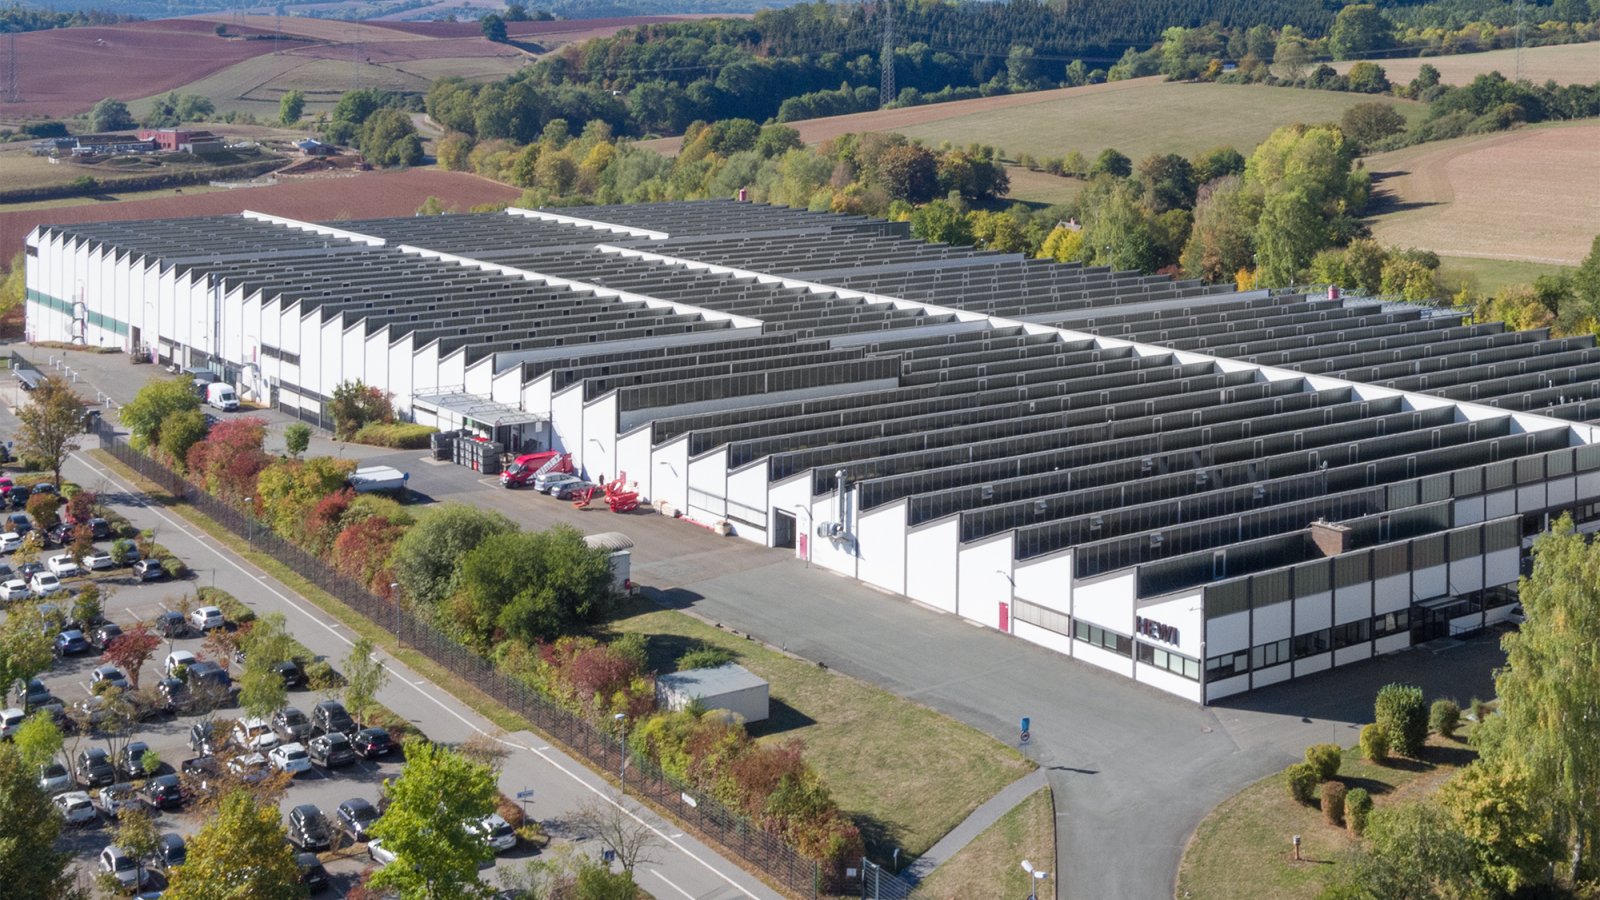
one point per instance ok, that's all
(620, 546)
(378, 478)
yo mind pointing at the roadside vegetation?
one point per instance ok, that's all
(991, 864)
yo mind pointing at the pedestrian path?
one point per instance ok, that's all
(975, 824)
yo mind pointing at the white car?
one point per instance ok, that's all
(44, 584)
(14, 589)
(380, 854)
(255, 734)
(63, 565)
(112, 799)
(178, 659)
(9, 720)
(97, 561)
(495, 831)
(76, 808)
(551, 482)
(1516, 616)
(10, 541)
(206, 618)
(116, 861)
(54, 778)
(251, 768)
(291, 758)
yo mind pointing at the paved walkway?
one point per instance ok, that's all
(973, 825)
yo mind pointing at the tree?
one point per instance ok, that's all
(1496, 810)
(51, 422)
(13, 287)
(1062, 244)
(130, 650)
(364, 677)
(356, 404)
(1359, 31)
(42, 510)
(26, 644)
(1111, 162)
(1217, 162)
(428, 558)
(1292, 58)
(1169, 182)
(617, 830)
(494, 28)
(430, 804)
(1222, 239)
(136, 833)
(180, 430)
(110, 115)
(291, 107)
(287, 491)
(941, 222)
(388, 138)
(150, 407)
(30, 866)
(1287, 235)
(1367, 78)
(241, 853)
(1586, 283)
(909, 172)
(532, 586)
(1414, 852)
(1369, 123)
(261, 689)
(1402, 713)
(296, 439)
(38, 739)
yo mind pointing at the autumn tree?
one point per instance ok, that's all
(438, 793)
(364, 677)
(137, 834)
(26, 647)
(31, 866)
(355, 404)
(296, 438)
(181, 430)
(261, 688)
(1222, 240)
(618, 830)
(130, 650)
(1495, 808)
(286, 491)
(149, 408)
(1369, 123)
(241, 853)
(42, 510)
(51, 421)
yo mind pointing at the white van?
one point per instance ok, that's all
(221, 396)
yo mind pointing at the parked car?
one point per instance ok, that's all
(10, 720)
(18, 523)
(254, 734)
(71, 642)
(313, 877)
(94, 768)
(54, 778)
(97, 561)
(127, 557)
(170, 624)
(14, 589)
(44, 584)
(44, 487)
(205, 673)
(290, 724)
(331, 750)
(62, 565)
(204, 618)
(174, 695)
(292, 758)
(35, 694)
(170, 853)
(113, 799)
(178, 661)
(293, 676)
(163, 792)
(1516, 616)
(371, 743)
(130, 759)
(355, 818)
(203, 737)
(330, 715)
(101, 638)
(550, 482)
(99, 528)
(308, 828)
(116, 861)
(5, 572)
(380, 854)
(76, 808)
(570, 490)
(149, 570)
(108, 674)
(495, 831)
(10, 541)
(252, 767)
(29, 569)
(60, 535)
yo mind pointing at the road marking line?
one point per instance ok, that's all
(657, 873)
(209, 548)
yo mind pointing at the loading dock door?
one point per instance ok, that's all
(783, 529)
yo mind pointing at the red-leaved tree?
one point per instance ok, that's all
(229, 459)
(322, 523)
(81, 506)
(362, 549)
(130, 650)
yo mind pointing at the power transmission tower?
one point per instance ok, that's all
(10, 90)
(886, 91)
(1522, 15)
(355, 63)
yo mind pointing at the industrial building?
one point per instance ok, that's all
(1205, 490)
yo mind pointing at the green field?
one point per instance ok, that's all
(1159, 117)
(1489, 275)
(991, 864)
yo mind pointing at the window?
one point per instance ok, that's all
(1352, 633)
(1048, 619)
(1172, 662)
(1391, 623)
(1100, 637)
(1228, 664)
(1311, 644)
(1264, 655)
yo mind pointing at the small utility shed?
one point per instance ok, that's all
(729, 687)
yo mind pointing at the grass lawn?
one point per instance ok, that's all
(990, 866)
(1490, 275)
(1041, 187)
(1243, 848)
(905, 773)
(1160, 117)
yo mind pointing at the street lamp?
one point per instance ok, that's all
(622, 748)
(1038, 876)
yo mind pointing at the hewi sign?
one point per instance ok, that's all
(1150, 628)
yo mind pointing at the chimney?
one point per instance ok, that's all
(1332, 539)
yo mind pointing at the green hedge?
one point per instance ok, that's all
(233, 609)
(400, 436)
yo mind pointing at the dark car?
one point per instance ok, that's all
(101, 637)
(126, 556)
(71, 642)
(174, 695)
(370, 743)
(149, 570)
(94, 768)
(329, 716)
(29, 569)
(331, 750)
(19, 522)
(293, 676)
(99, 528)
(313, 877)
(130, 759)
(200, 769)
(170, 853)
(355, 817)
(60, 535)
(44, 487)
(291, 725)
(308, 828)
(17, 498)
(205, 737)
(171, 624)
(572, 489)
(163, 792)
(205, 672)
(36, 695)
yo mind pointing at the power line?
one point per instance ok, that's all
(10, 90)
(886, 91)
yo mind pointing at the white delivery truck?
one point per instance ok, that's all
(378, 478)
(221, 396)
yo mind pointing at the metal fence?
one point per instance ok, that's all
(878, 883)
(765, 851)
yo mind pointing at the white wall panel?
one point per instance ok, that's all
(982, 580)
(1166, 681)
(1352, 603)
(1228, 634)
(1428, 583)
(1227, 687)
(932, 561)
(1311, 664)
(1105, 659)
(1354, 653)
(1273, 675)
(1271, 623)
(1044, 637)
(1106, 601)
(1045, 580)
(1392, 643)
(1391, 593)
(1312, 613)
(881, 546)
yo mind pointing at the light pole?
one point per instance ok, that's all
(1038, 876)
(622, 748)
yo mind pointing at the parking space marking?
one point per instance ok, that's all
(657, 873)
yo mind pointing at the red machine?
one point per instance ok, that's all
(525, 468)
(618, 497)
(580, 500)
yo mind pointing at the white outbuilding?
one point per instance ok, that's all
(729, 687)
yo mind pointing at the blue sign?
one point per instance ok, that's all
(525, 795)
(1025, 723)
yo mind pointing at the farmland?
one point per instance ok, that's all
(1565, 63)
(1531, 195)
(396, 193)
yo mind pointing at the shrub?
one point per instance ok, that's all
(1303, 781)
(175, 567)
(704, 657)
(1403, 713)
(1481, 710)
(400, 436)
(1325, 758)
(320, 676)
(1375, 743)
(1357, 806)
(42, 509)
(233, 609)
(510, 811)
(533, 834)
(1444, 717)
(1333, 802)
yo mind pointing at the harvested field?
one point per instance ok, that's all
(336, 30)
(1531, 194)
(320, 199)
(1566, 63)
(562, 32)
(1041, 187)
(1137, 117)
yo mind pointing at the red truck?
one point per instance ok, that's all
(525, 468)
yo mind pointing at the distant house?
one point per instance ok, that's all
(108, 144)
(178, 140)
(732, 688)
(310, 147)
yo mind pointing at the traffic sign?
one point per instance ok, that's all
(525, 794)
